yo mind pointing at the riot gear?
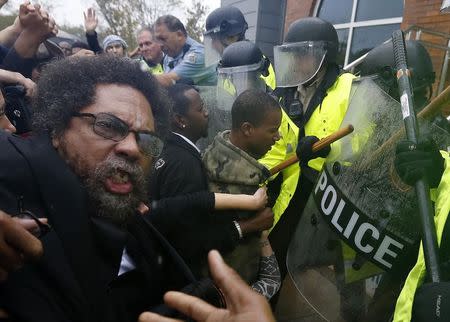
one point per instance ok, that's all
(222, 23)
(225, 22)
(380, 62)
(244, 53)
(240, 68)
(310, 43)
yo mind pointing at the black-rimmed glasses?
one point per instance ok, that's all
(35, 225)
(113, 128)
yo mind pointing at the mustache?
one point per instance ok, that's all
(113, 164)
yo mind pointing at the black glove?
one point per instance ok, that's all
(304, 149)
(432, 303)
(421, 161)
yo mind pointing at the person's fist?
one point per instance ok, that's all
(419, 161)
(305, 152)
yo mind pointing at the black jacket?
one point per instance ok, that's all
(76, 279)
(192, 230)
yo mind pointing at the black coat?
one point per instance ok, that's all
(193, 231)
(76, 279)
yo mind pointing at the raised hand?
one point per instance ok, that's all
(90, 20)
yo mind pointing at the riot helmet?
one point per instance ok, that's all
(380, 62)
(220, 24)
(240, 68)
(310, 43)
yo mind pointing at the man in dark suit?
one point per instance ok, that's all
(96, 122)
(180, 171)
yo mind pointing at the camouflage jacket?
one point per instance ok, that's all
(231, 170)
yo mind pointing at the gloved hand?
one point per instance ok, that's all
(304, 149)
(414, 162)
(432, 303)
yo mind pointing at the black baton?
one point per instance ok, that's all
(429, 240)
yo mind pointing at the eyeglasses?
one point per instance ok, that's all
(111, 127)
(40, 228)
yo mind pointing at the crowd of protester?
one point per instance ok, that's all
(107, 203)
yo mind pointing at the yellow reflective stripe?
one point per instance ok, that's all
(270, 79)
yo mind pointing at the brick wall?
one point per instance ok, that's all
(423, 13)
(426, 14)
(296, 9)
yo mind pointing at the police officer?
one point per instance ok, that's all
(151, 53)
(225, 26)
(380, 62)
(242, 67)
(314, 94)
(184, 57)
(420, 300)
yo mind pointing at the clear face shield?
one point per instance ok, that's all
(213, 48)
(232, 81)
(357, 238)
(298, 63)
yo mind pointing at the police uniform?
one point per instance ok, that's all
(325, 119)
(155, 69)
(416, 276)
(190, 64)
(270, 79)
(326, 116)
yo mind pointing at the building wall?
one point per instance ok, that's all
(265, 21)
(426, 14)
(250, 10)
(423, 13)
(296, 9)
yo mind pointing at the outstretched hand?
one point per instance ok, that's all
(90, 20)
(243, 304)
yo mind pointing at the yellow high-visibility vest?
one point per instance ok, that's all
(416, 276)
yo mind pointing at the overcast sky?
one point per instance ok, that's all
(70, 12)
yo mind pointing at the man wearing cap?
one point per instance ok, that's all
(111, 44)
(115, 45)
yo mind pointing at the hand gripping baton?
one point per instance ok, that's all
(429, 240)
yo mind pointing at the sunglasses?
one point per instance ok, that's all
(113, 128)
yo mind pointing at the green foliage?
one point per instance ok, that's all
(195, 24)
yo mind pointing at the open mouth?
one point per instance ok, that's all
(119, 182)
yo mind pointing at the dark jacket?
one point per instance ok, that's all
(194, 231)
(76, 279)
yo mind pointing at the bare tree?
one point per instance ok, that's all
(195, 23)
(125, 17)
(150, 10)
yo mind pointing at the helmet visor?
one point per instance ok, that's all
(232, 81)
(212, 55)
(298, 63)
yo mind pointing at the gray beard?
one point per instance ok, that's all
(114, 207)
(102, 203)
